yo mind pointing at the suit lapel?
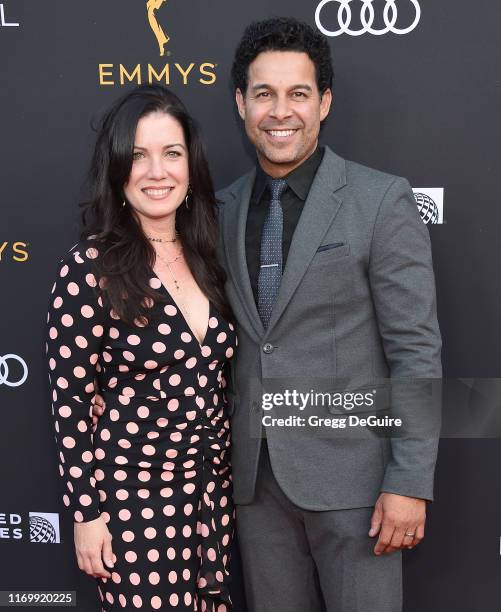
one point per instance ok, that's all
(235, 221)
(319, 211)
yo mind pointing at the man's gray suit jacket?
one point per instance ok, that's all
(363, 308)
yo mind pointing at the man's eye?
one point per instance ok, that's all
(299, 94)
(263, 94)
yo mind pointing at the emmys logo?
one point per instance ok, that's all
(169, 73)
(3, 19)
(430, 203)
(17, 251)
(162, 39)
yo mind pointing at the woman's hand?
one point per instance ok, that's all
(92, 546)
(98, 407)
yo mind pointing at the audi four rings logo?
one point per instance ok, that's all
(4, 370)
(367, 18)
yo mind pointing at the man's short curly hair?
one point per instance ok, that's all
(282, 34)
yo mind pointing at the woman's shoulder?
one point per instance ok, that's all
(81, 257)
(84, 251)
(77, 280)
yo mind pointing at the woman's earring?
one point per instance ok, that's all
(123, 205)
(187, 196)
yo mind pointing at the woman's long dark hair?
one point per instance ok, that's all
(127, 256)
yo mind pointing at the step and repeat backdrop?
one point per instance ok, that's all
(417, 93)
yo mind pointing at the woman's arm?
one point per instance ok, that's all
(75, 331)
(76, 325)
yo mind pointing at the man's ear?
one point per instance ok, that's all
(240, 100)
(325, 104)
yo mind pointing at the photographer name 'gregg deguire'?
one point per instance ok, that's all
(346, 401)
(314, 420)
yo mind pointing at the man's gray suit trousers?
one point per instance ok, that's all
(297, 560)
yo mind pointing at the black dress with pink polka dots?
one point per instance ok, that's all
(157, 467)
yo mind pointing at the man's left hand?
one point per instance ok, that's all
(399, 520)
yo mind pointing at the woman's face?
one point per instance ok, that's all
(159, 178)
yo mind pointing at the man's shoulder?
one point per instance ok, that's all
(360, 175)
(230, 192)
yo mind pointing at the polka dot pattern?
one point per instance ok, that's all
(156, 467)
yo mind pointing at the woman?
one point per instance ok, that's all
(139, 307)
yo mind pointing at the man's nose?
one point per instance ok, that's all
(281, 108)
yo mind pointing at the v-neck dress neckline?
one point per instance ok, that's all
(179, 309)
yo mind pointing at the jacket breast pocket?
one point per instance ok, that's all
(329, 253)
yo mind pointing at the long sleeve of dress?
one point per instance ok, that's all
(75, 331)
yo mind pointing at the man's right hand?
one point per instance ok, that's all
(98, 407)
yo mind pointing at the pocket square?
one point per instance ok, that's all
(327, 247)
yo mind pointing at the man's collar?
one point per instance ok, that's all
(299, 180)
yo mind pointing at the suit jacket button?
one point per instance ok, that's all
(268, 348)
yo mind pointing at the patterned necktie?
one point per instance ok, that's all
(270, 272)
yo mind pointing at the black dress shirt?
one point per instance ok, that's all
(299, 182)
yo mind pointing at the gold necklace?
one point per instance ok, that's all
(151, 239)
(168, 264)
(178, 301)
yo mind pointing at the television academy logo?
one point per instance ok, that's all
(6, 377)
(367, 18)
(3, 19)
(183, 73)
(19, 251)
(162, 39)
(430, 203)
(43, 527)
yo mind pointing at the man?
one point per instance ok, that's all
(329, 276)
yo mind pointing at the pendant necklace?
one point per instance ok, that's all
(178, 301)
(168, 264)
